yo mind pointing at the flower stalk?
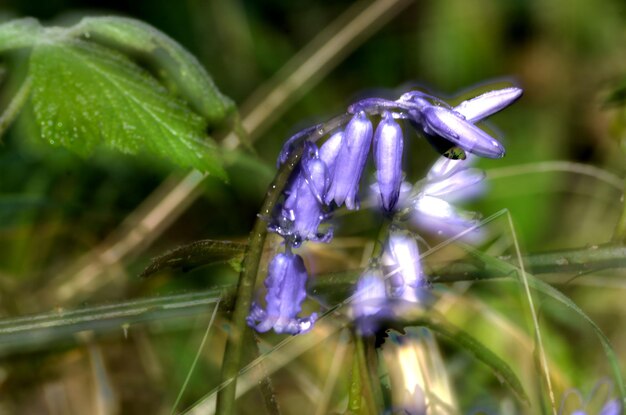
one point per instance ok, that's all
(619, 236)
(245, 289)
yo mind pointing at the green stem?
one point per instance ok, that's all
(368, 363)
(619, 235)
(15, 106)
(355, 392)
(245, 289)
(38, 332)
(578, 260)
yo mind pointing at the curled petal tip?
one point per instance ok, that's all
(489, 103)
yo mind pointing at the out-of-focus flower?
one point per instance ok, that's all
(419, 383)
(388, 142)
(350, 162)
(585, 407)
(286, 291)
(403, 268)
(387, 291)
(370, 301)
(431, 209)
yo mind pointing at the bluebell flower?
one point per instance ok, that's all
(461, 182)
(385, 292)
(302, 212)
(388, 143)
(403, 268)
(370, 301)
(330, 177)
(436, 119)
(350, 162)
(286, 291)
(447, 181)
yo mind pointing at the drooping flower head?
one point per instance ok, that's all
(285, 283)
(329, 177)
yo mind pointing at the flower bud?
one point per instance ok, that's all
(454, 128)
(350, 162)
(388, 142)
(488, 103)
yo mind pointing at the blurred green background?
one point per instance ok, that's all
(55, 207)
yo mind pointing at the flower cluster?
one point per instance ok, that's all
(329, 176)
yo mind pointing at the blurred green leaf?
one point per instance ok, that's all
(606, 344)
(192, 81)
(197, 254)
(85, 94)
(555, 294)
(617, 97)
(19, 33)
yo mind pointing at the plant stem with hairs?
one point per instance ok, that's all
(239, 331)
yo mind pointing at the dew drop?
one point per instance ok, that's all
(562, 261)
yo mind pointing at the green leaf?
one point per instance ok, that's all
(197, 254)
(85, 94)
(19, 33)
(189, 77)
(606, 344)
(555, 294)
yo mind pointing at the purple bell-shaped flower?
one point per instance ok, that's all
(350, 162)
(301, 214)
(370, 302)
(388, 142)
(286, 291)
